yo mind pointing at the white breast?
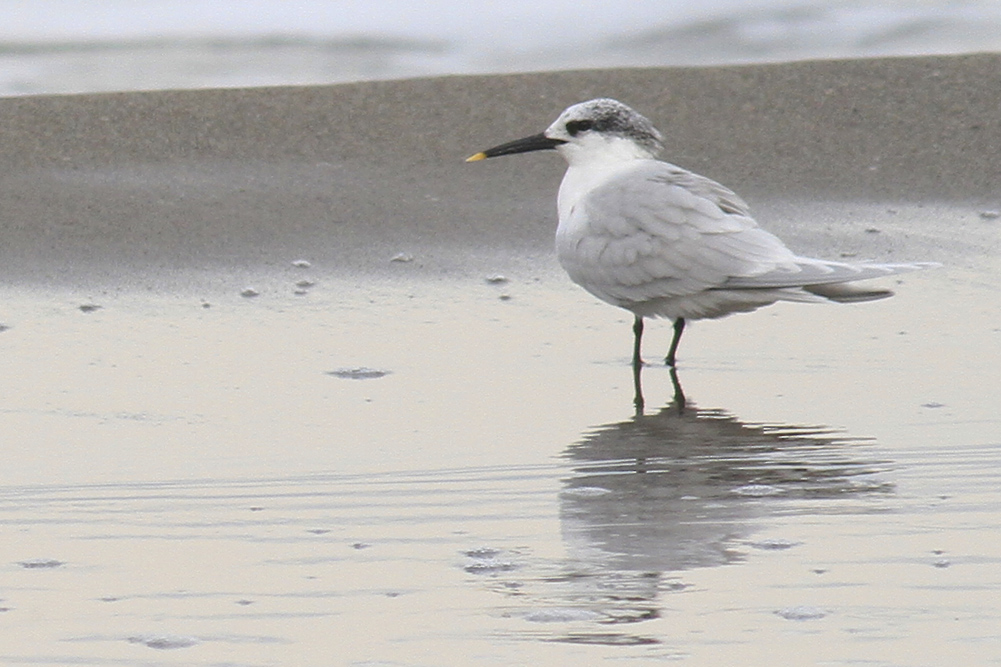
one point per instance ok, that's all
(578, 247)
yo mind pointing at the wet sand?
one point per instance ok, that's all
(203, 179)
(421, 449)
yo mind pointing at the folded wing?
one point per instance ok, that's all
(658, 235)
(659, 231)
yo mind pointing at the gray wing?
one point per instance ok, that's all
(807, 271)
(659, 231)
(721, 196)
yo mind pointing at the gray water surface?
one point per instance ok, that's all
(66, 46)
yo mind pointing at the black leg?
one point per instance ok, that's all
(638, 400)
(679, 326)
(679, 394)
(637, 337)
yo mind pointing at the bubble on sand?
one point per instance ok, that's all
(586, 492)
(607, 639)
(249, 292)
(305, 284)
(496, 279)
(563, 615)
(40, 563)
(990, 215)
(402, 257)
(490, 566)
(163, 642)
(485, 560)
(358, 373)
(757, 490)
(483, 552)
(801, 613)
(301, 264)
(774, 544)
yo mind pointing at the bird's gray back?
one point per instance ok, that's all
(659, 231)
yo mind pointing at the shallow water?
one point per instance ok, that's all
(411, 470)
(64, 46)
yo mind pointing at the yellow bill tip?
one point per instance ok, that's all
(477, 157)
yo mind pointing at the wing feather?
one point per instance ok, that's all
(659, 231)
(807, 271)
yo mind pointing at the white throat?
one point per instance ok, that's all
(591, 163)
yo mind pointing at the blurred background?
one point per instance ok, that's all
(74, 46)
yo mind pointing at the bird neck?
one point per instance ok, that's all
(599, 149)
(584, 176)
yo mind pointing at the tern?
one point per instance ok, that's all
(663, 242)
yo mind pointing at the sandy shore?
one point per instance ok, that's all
(103, 186)
(436, 468)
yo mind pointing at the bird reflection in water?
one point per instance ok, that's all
(639, 402)
(686, 487)
(676, 488)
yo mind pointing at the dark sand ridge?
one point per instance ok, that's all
(101, 187)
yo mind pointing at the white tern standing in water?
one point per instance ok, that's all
(660, 241)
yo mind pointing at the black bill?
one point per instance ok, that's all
(536, 142)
